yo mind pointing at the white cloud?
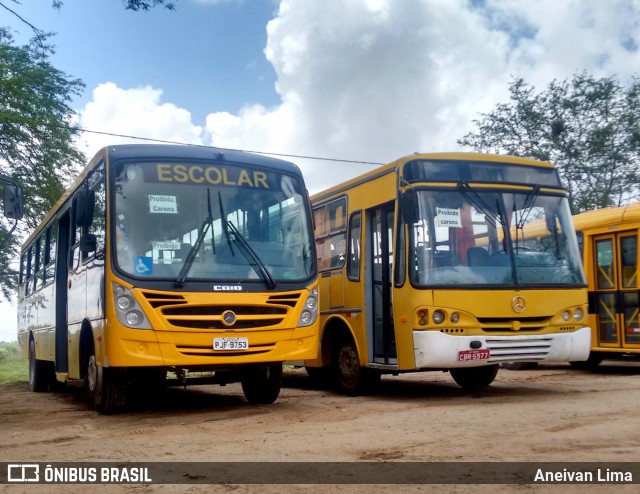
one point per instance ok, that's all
(134, 112)
(374, 80)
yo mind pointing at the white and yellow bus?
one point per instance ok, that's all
(186, 259)
(424, 265)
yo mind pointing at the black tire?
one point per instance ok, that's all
(39, 371)
(520, 365)
(105, 387)
(262, 384)
(471, 378)
(594, 360)
(351, 378)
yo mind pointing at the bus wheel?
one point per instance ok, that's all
(352, 378)
(261, 384)
(474, 377)
(38, 371)
(520, 365)
(105, 387)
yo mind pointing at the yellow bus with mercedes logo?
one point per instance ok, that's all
(190, 261)
(425, 265)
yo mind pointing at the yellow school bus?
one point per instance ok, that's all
(609, 241)
(190, 260)
(424, 265)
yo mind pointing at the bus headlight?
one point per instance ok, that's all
(455, 317)
(578, 314)
(438, 316)
(566, 315)
(310, 312)
(129, 313)
(124, 302)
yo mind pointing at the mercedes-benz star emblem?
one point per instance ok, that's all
(228, 318)
(518, 304)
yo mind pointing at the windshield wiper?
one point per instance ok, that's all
(252, 256)
(478, 202)
(248, 251)
(191, 256)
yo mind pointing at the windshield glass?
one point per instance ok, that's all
(473, 237)
(211, 222)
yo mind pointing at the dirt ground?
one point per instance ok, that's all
(552, 413)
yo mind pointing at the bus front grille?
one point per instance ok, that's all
(524, 324)
(179, 313)
(511, 350)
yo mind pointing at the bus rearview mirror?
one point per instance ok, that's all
(409, 204)
(12, 201)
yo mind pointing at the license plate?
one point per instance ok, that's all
(230, 343)
(470, 355)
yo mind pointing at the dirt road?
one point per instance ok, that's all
(553, 413)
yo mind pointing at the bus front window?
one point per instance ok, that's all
(468, 237)
(204, 222)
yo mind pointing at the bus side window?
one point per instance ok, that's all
(98, 223)
(39, 266)
(29, 289)
(331, 233)
(50, 253)
(353, 260)
(76, 232)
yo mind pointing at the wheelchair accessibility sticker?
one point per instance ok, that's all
(143, 265)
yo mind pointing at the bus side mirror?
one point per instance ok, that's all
(88, 243)
(12, 201)
(85, 204)
(409, 204)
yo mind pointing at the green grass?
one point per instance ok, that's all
(12, 366)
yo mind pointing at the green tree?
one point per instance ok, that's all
(36, 136)
(588, 127)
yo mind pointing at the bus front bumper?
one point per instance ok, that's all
(436, 350)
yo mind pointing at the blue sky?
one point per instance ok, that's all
(363, 80)
(202, 55)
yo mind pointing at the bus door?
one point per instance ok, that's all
(616, 300)
(380, 260)
(61, 279)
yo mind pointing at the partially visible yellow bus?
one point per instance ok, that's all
(425, 265)
(609, 242)
(187, 259)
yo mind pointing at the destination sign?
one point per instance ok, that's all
(221, 175)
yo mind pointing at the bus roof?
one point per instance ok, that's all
(457, 156)
(164, 151)
(607, 216)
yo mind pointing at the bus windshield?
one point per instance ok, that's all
(483, 237)
(230, 222)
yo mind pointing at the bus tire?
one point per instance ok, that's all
(351, 378)
(261, 384)
(520, 365)
(105, 387)
(38, 371)
(471, 378)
